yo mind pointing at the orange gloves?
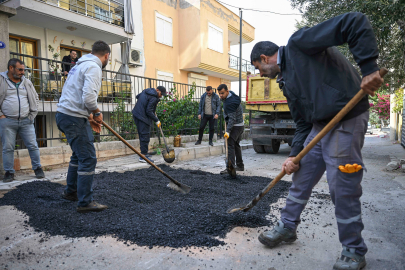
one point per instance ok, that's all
(348, 168)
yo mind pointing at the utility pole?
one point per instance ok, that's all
(240, 53)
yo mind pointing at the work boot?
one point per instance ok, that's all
(210, 143)
(224, 172)
(240, 169)
(8, 177)
(349, 260)
(70, 196)
(92, 207)
(277, 235)
(39, 173)
(198, 142)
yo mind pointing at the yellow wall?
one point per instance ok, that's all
(190, 38)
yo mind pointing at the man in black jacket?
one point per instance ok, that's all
(233, 114)
(318, 81)
(71, 59)
(144, 113)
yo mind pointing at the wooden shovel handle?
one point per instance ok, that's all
(139, 154)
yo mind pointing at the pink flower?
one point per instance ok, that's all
(174, 100)
(164, 111)
(387, 84)
(170, 93)
(172, 124)
(371, 104)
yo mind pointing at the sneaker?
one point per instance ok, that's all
(349, 260)
(277, 235)
(92, 207)
(210, 143)
(8, 177)
(70, 196)
(144, 161)
(39, 173)
(198, 142)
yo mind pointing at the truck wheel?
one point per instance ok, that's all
(273, 149)
(258, 148)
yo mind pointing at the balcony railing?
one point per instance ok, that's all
(109, 11)
(246, 66)
(116, 99)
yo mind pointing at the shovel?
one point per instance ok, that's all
(168, 154)
(175, 185)
(308, 148)
(230, 169)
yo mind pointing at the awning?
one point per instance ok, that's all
(128, 17)
(124, 69)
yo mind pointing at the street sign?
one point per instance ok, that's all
(2, 45)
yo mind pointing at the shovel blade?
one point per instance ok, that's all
(179, 188)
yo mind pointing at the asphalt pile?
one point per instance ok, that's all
(143, 211)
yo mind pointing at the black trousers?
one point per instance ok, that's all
(203, 123)
(233, 146)
(144, 135)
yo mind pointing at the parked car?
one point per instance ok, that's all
(369, 128)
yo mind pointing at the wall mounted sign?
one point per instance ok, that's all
(2, 45)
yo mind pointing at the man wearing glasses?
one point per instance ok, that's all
(18, 109)
(208, 112)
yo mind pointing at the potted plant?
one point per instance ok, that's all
(54, 69)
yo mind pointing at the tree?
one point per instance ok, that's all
(387, 18)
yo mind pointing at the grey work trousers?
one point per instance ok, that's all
(341, 146)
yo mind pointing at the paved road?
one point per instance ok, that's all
(317, 246)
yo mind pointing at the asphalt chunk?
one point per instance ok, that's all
(143, 211)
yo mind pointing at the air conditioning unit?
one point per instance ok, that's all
(135, 58)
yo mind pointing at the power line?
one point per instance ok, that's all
(257, 10)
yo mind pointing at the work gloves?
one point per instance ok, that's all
(348, 168)
(226, 136)
(158, 124)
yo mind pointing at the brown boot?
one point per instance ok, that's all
(92, 207)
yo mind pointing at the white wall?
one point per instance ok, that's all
(137, 42)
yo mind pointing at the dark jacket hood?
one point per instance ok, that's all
(150, 92)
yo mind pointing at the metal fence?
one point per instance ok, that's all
(109, 11)
(246, 65)
(116, 99)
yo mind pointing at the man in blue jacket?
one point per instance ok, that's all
(144, 113)
(318, 81)
(208, 111)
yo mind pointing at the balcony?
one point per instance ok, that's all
(108, 11)
(246, 66)
(92, 19)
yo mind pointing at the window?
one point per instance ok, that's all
(102, 14)
(215, 38)
(163, 78)
(164, 32)
(65, 50)
(24, 46)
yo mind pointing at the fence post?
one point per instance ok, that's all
(5, 13)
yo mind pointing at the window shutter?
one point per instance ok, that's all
(168, 33)
(215, 38)
(159, 30)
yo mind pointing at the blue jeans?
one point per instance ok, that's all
(8, 131)
(83, 161)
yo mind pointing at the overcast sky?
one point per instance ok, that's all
(268, 26)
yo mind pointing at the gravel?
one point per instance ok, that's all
(143, 211)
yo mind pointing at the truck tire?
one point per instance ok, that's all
(258, 148)
(273, 149)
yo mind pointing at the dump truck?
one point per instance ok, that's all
(270, 119)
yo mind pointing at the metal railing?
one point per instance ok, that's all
(116, 99)
(109, 11)
(246, 65)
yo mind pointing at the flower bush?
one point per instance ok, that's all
(178, 114)
(381, 106)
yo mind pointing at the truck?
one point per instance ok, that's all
(270, 119)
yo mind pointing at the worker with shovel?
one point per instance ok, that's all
(318, 81)
(233, 114)
(144, 113)
(76, 116)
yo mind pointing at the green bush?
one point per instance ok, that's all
(179, 115)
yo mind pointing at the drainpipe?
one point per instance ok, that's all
(240, 53)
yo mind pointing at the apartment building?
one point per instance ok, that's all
(189, 41)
